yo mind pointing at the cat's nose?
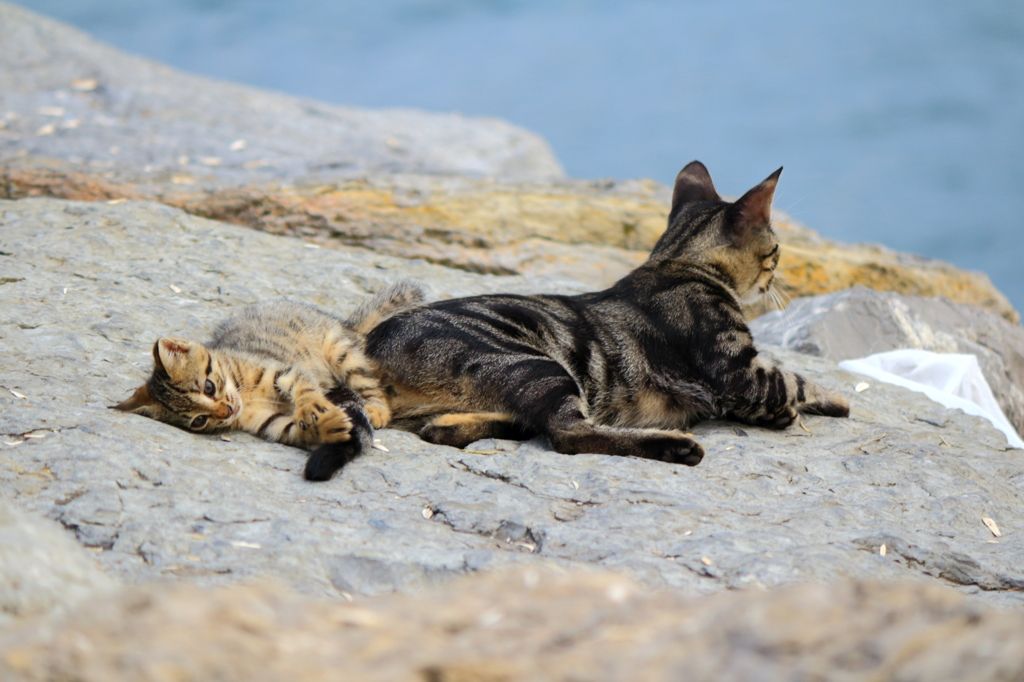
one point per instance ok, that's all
(224, 411)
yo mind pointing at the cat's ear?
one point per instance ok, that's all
(753, 211)
(692, 184)
(141, 402)
(171, 356)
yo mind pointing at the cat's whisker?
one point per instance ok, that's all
(781, 301)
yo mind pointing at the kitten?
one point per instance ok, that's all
(618, 372)
(287, 372)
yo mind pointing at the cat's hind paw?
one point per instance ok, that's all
(673, 449)
(379, 415)
(835, 406)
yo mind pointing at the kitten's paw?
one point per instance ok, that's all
(379, 415)
(783, 418)
(445, 434)
(334, 426)
(309, 412)
(835, 406)
(673, 449)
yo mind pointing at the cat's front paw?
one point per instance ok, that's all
(674, 449)
(781, 419)
(335, 426)
(323, 421)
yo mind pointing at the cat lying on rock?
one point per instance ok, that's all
(621, 371)
(287, 372)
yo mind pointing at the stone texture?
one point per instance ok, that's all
(860, 321)
(526, 625)
(88, 287)
(130, 118)
(42, 568)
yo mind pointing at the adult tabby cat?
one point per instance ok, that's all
(620, 371)
(287, 372)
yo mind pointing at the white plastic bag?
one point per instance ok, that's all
(951, 379)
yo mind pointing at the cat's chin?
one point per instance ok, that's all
(753, 296)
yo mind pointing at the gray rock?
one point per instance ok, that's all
(87, 288)
(861, 321)
(526, 624)
(42, 569)
(87, 103)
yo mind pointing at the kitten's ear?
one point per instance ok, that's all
(753, 211)
(139, 402)
(171, 355)
(692, 184)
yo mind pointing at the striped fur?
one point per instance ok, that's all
(287, 372)
(621, 371)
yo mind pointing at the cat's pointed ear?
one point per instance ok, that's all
(692, 184)
(170, 355)
(753, 211)
(140, 401)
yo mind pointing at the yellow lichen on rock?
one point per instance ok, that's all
(593, 232)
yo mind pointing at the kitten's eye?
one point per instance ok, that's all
(199, 422)
(209, 389)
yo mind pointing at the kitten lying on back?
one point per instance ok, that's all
(287, 372)
(621, 371)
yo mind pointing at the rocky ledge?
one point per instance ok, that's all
(900, 491)
(88, 287)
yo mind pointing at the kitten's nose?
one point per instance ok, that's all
(224, 411)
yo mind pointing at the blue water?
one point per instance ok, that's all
(900, 123)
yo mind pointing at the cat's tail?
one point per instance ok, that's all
(400, 296)
(329, 457)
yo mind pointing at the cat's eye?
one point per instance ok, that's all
(199, 422)
(209, 389)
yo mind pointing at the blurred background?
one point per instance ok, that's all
(899, 123)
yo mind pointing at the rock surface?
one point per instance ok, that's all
(860, 321)
(91, 123)
(88, 287)
(526, 625)
(76, 99)
(903, 490)
(42, 568)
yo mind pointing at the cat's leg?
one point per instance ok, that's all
(353, 369)
(459, 429)
(315, 419)
(762, 395)
(331, 456)
(375, 402)
(545, 397)
(319, 422)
